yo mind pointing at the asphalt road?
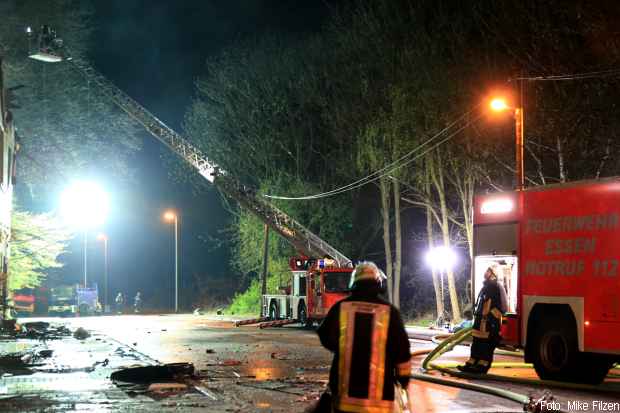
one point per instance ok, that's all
(241, 369)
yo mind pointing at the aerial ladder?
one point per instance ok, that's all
(50, 49)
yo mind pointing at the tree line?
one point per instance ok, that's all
(302, 115)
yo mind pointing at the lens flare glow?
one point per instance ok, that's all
(84, 205)
(442, 258)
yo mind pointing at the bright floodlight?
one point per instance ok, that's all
(169, 216)
(498, 105)
(441, 258)
(84, 204)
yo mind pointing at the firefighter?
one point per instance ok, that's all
(489, 310)
(120, 301)
(370, 346)
(137, 303)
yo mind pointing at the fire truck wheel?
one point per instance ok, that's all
(273, 310)
(594, 367)
(555, 350)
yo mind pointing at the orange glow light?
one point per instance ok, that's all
(170, 216)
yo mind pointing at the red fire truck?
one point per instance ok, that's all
(557, 249)
(316, 286)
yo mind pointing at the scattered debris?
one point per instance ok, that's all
(202, 390)
(81, 334)
(151, 374)
(230, 362)
(41, 326)
(166, 387)
(210, 351)
(10, 330)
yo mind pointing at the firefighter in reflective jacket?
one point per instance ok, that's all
(370, 346)
(489, 310)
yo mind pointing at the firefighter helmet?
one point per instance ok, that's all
(368, 277)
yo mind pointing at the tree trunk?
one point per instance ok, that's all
(561, 166)
(438, 181)
(430, 238)
(385, 213)
(397, 244)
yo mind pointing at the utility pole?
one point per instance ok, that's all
(265, 263)
(85, 258)
(176, 264)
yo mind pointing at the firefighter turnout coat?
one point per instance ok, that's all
(490, 307)
(371, 351)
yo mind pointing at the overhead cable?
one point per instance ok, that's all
(573, 76)
(399, 163)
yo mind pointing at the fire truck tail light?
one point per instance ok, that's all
(587, 323)
(496, 206)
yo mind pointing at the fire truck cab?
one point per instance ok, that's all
(556, 251)
(316, 286)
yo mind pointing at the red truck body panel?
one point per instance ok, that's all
(568, 251)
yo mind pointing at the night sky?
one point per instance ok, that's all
(154, 50)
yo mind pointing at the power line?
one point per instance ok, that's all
(399, 163)
(573, 76)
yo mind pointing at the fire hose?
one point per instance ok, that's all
(529, 404)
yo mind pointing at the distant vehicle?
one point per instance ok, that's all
(23, 301)
(73, 300)
(555, 249)
(317, 286)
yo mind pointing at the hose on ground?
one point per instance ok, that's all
(529, 404)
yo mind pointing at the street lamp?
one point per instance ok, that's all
(500, 105)
(84, 205)
(172, 216)
(104, 238)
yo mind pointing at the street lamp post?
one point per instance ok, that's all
(85, 205)
(173, 216)
(85, 258)
(104, 238)
(499, 105)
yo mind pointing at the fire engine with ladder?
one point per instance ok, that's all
(557, 251)
(320, 275)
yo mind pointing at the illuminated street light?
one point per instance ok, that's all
(500, 105)
(84, 205)
(172, 216)
(104, 238)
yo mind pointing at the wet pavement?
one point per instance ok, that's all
(240, 369)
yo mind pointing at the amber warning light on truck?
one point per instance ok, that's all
(496, 206)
